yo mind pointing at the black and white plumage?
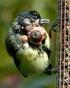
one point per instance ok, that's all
(29, 43)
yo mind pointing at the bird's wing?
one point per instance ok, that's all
(46, 44)
(13, 43)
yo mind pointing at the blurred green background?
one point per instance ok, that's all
(8, 12)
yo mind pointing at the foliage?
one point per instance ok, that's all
(8, 11)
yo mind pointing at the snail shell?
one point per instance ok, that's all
(36, 36)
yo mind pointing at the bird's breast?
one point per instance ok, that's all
(32, 60)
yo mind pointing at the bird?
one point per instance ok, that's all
(28, 42)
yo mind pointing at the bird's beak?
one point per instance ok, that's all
(44, 21)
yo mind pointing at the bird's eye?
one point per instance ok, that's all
(26, 21)
(34, 15)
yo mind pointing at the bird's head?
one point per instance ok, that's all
(31, 26)
(28, 18)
